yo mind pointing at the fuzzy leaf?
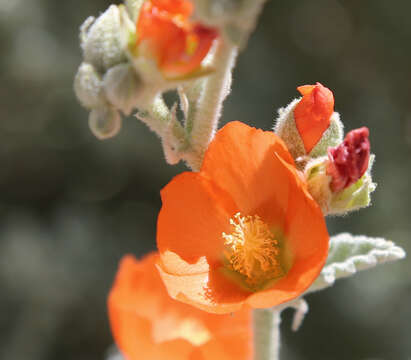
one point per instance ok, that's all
(349, 254)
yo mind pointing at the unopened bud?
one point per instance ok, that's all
(122, 87)
(353, 197)
(104, 122)
(349, 161)
(308, 125)
(312, 114)
(103, 40)
(88, 86)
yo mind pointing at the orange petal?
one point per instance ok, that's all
(194, 289)
(197, 44)
(194, 214)
(181, 7)
(306, 239)
(160, 33)
(146, 323)
(133, 304)
(312, 114)
(241, 160)
(306, 89)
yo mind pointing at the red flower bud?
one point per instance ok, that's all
(177, 44)
(349, 161)
(312, 114)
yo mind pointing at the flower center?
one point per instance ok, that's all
(252, 250)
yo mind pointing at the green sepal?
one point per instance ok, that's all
(318, 182)
(286, 129)
(331, 137)
(355, 196)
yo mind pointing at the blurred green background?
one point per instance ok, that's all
(71, 206)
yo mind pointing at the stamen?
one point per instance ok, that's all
(252, 250)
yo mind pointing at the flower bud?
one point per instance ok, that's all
(166, 34)
(308, 125)
(88, 87)
(355, 196)
(349, 161)
(104, 122)
(122, 87)
(341, 182)
(312, 114)
(103, 40)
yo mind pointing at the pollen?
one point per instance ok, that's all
(252, 250)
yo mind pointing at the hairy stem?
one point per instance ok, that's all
(216, 88)
(266, 332)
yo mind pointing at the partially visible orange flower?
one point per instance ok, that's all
(242, 232)
(177, 44)
(147, 324)
(312, 114)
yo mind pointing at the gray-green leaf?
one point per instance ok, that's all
(349, 254)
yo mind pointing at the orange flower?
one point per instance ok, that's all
(244, 231)
(147, 324)
(177, 44)
(312, 114)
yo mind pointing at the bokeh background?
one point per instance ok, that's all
(71, 206)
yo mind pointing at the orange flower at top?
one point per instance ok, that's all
(147, 324)
(177, 44)
(312, 114)
(244, 231)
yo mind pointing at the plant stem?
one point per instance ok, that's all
(216, 88)
(266, 332)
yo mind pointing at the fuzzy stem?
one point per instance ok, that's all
(216, 88)
(158, 116)
(266, 332)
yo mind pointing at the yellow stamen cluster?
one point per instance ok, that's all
(252, 250)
